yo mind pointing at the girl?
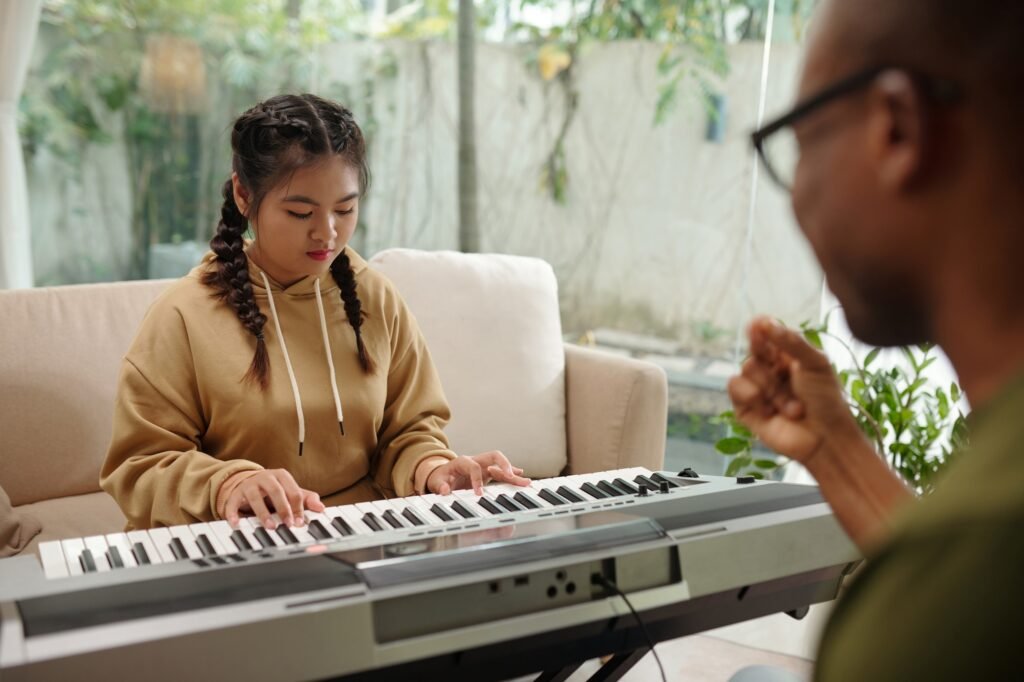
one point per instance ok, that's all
(283, 370)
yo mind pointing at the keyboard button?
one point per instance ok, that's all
(285, 533)
(204, 545)
(114, 557)
(489, 506)
(342, 527)
(239, 541)
(413, 517)
(437, 510)
(591, 489)
(317, 530)
(392, 518)
(178, 549)
(463, 510)
(372, 522)
(661, 479)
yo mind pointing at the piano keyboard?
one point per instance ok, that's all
(357, 525)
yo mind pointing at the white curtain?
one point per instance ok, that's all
(19, 22)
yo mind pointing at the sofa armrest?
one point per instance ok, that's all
(616, 411)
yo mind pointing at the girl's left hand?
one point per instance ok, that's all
(473, 472)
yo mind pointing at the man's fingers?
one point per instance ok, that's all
(744, 393)
(793, 343)
(275, 491)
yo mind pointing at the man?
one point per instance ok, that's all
(910, 189)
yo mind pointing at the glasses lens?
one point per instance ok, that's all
(781, 154)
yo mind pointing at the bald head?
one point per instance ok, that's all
(977, 45)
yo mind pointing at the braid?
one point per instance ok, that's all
(341, 270)
(230, 281)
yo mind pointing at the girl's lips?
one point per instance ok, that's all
(318, 255)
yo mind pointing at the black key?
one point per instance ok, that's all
(237, 558)
(607, 487)
(264, 537)
(525, 500)
(218, 560)
(439, 511)
(510, 504)
(341, 526)
(490, 506)
(661, 479)
(372, 521)
(178, 549)
(591, 489)
(317, 530)
(285, 533)
(464, 511)
(646, 482)
(139, 550)
(413, 517)
(241, 542)
(391, 517)
(114, 557)
(625, 486)
(201, 563)
(205, 546)
(568, 494)
(88, 563)
(551, 497)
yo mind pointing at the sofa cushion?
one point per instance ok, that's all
(16, 529)
(492, 325)
(76, 516)
(58, 375)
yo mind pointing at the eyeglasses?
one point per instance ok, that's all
(776, 142)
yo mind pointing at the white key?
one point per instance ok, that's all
(204, 529)
(187, 541)
(324, 521)
(223, 531)
(369, 508)
(144, 539)
(394, 506)
(354, 519)
(52, 557)
(98, 546)
(253, 523)
(302, 534)
(72, 551)
(161, 538)
(120, 540)
(423, 507)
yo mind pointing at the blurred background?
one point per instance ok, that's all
(611, 139)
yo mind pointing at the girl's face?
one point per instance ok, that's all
(303, 223)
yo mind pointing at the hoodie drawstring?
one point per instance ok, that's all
(330, 359)
(287, 364)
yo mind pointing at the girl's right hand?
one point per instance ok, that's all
(264, 492)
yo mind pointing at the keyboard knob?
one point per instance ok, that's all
(664, 487)
(643, 491)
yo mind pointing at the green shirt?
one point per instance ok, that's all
(944, 598)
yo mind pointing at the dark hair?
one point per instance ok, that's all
(269, 142)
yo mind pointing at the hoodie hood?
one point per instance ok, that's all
(304, 288)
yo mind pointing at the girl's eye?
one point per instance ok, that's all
(348, 212)
(300, 216)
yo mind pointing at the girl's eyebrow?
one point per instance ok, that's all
(302, 199)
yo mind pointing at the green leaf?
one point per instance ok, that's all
(871, 357)
(737, 465)
(766, 464)
(732, 446)
(954, 392)
(814, 338)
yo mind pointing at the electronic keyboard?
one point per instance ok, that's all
(461, 585)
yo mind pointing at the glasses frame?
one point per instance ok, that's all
(939, 90)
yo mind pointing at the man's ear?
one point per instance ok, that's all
(241, 195)
(897, 130)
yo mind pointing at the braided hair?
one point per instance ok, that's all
(269, 142)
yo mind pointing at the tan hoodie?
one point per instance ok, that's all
(184, 421)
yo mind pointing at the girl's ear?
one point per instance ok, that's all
(241, 195)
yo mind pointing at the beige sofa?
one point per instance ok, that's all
(60, 352)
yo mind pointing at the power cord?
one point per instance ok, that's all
(609, 585)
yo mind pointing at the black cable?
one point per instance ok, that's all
(609, 585)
